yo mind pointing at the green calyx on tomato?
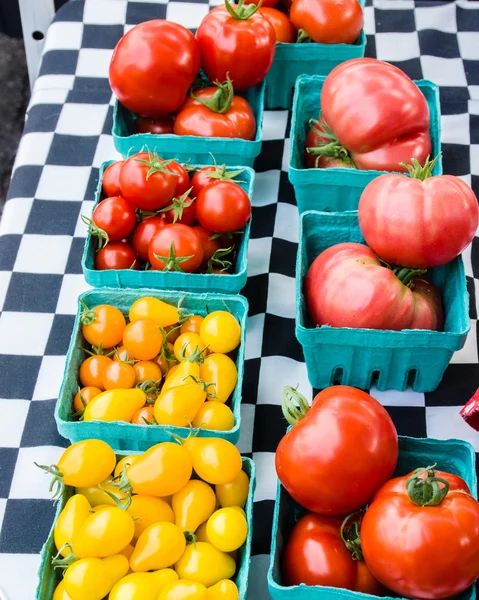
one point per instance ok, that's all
(426, 491)
(407, 276)
(95, 231)
(221, 100)
(331, 147)
(303, 38)
(178, 205)
(350, 534)
(241, 12)
(222, 174)
(294, 405)
(88, 315)
(416, 171)
(205, 386)
(217, 260)
(156, 165)
(172, 262)
(197, 356)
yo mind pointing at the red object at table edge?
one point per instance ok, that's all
(470, 411)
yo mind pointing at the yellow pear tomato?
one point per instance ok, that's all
(115, 405)
(96, 494)
(193, 505)
(221, 372)
(60, 592)
(227, 529)
(93, 578)
(206, 564)
(158, 547)
(234, 493)
(155, 310)
(104, 533)
(215, 460)
(223, 590)
(214, 415)
(183, 590)
(187, 345)
(148, 510)
(180, 374)
(75, 513)
(220, 331)
(126, 460)
(178, 405)
(142, 586)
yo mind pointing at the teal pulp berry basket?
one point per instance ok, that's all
(293, 60)
(49, 578)
(338, 189)
(198, 150)
(454, 456)
(227, 283)
(366, 357)
(127, 436)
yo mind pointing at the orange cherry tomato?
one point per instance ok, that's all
(147, 370)
(91, 371)
(192, 324)
(83, 397)
(103, 324)
(143, 339)
(284, 29)
(172, 333)
(122, 355)
(144, 416)
(118, 375)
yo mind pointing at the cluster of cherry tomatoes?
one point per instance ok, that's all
(142, 528)
(154, 216)
(165, 367)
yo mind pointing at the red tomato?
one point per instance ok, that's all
(315, 554)
(146, 182)
(223, 206)
(207, 175)
(420, 550)
(328, 21)
(143, 233)
(284, 29)
(209, 246)
(236, 44)
(348, 286)
(216, 112)
(182, 178)
(404, 219)
(111, 179)
(180, 247)
(316, 138)
(153, 67)
(117, 255)
(116, 217)
(183, 211)
(335, 458)
(160, 126)
(397, 124)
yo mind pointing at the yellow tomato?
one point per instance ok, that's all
(75, 513)
(215, 460)
(227, 529)
(115, 405)
(214, 415)
(202, 536)
(104, 533)
(102, 325)
(193, 505)
(148, 510)
(60, 592)
(172, 370)
(146, 370)
(93, 578)
(183, 590)
(221, 332)
(96, 496)
(234, 493)
(83, 464)
(160, 471)
(223, 590)
(221, 372)
(192, 324)
(142, 586)
(158, 547)
(156, 310)
(180, 374)
(178, 405)
(126, 460)
(187, 345)
(206, 564)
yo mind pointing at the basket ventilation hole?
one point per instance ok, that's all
(374, 378)
(337, 376)
(411, 377)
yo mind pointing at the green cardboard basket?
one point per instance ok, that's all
(197, 150)
(454, 456)
(293, 60)
(128, 436)
(228, 283)
(364, 357)
(49, 578)
(339, 189)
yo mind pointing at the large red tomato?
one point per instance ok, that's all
(328, 21)
(176, 247)
(418, 221)
(338, 452)
(376, 114)
(348, 286)
(315, 554)
(147, 182)
(237, 41)
(420, 536)
(144, 231)
(153, 67)
(216, 112)
(223, 206)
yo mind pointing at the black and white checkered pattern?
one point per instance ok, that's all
(67, 137)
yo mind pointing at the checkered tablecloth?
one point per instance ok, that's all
(67, 137)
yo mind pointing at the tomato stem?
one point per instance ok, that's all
(95, 231)
(217, 259)
(156, 165)
(330, 148)
(221, 100)
(406, 275)
(205, 385)
(57, 480)
(241, 13)
(294, 405)
(426, 491)
(178, 205)
(303, 37)
(350, 534)
(67, 561)
(416, 171)
(118, 501)
(190, 538)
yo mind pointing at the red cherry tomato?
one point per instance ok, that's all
(315, 554)
(116, 217)
(284, 29)
(143, 233)
(209, 246)
(153, 67)
(146, 182)
(223, 206)
(345, 437)
(180, 247)
(241, 47)
(328, 21)
(182, 178)
(117, 255)
(111, 179)
(160, 126)
(183, 211)
(210, 174)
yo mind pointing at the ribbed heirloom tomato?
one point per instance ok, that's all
(328, 21)
(153, 66)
